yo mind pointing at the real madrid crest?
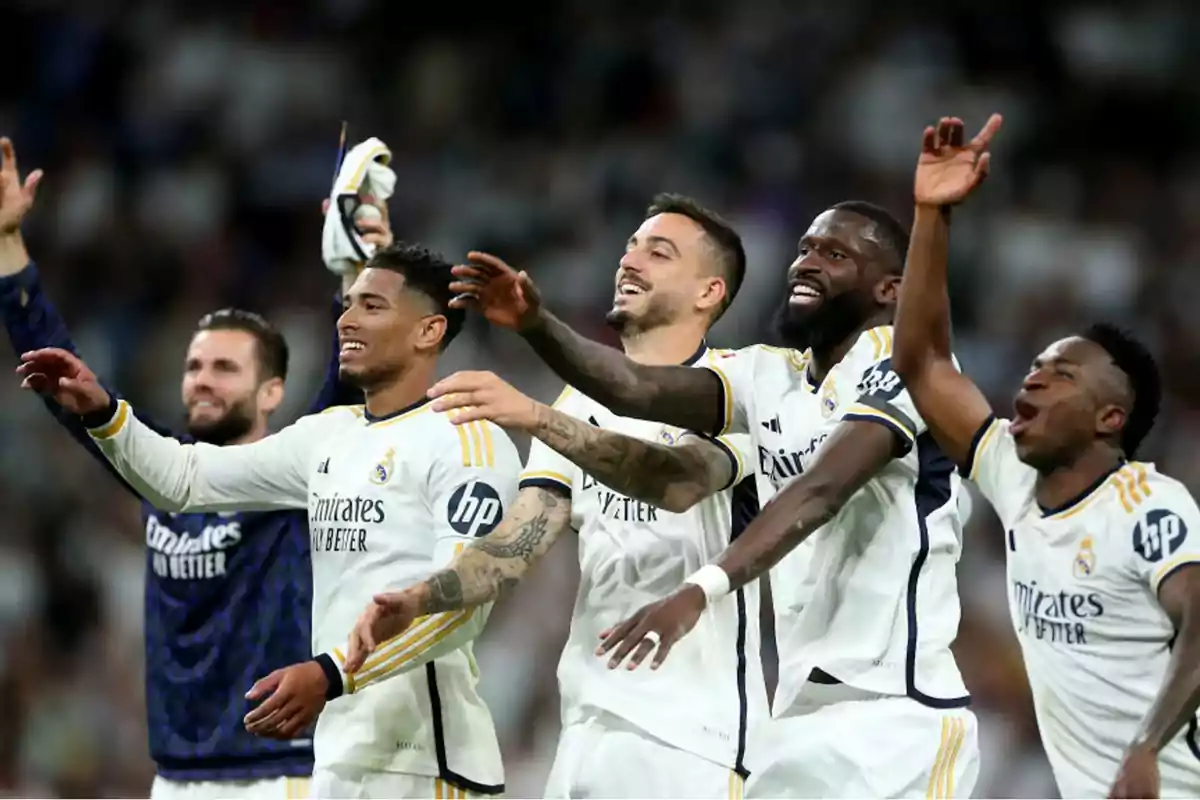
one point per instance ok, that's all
(381, 473)
(829, 398)
(1085, 559)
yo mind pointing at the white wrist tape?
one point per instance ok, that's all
(712, 580)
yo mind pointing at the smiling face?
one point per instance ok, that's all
(384, 327)
(223, 394)
(666, 274)
(841, 276)
(1072, 396)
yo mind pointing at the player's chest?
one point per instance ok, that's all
(795, 422)
(360, 487)
(194, 547)
(594, 504)
(1070, 584)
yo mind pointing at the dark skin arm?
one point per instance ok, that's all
(681, 396)
(687, 398)
(854, 453)
(949, 402)
(1178, 697)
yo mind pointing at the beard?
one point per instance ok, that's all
(368, 378)
(656, 314)
(230, 426)
(825, 326)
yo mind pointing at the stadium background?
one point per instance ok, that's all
(187, 149)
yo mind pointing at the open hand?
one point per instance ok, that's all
(16, 198)
(948, 170)
(654, 628)
(470, 396)
(505, 297)
(295, 696)
(64, 378)
(387, 616)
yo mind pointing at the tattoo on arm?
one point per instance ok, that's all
(496, 563)
(681, 396)
(674, 478)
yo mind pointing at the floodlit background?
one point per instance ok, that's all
(188, 146)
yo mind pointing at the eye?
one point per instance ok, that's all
(836, 255)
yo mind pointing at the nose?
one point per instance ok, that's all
(630, 262)
(806, 265)
(1036, 379)
(347, 321)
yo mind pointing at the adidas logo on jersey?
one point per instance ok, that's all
(773, 425)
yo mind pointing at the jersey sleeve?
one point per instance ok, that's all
(736, 447)
(547, 468)
(265, 475)
(994, 467)
(469, 489)
(735, 370)
(1165, 530)
(883, 399)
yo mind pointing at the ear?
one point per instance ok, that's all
(887, 290)
(429, 332)
(712, 295)
(270, 395)
(1110, 420)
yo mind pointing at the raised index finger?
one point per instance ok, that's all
(8, 155)
(984, 137)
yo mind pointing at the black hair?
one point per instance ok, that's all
(895, 235)
(272, 347)
(426, 272)
(1134, 359)
(731, 255)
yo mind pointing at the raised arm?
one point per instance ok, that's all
(952, 406)
(30, 318)
(671, 477)
(680, 396)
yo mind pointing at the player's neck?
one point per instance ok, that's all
(663, 346)
(405, 390)
(827, 356)
(1059, 486)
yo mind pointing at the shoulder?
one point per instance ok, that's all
(470, 444)
(332, 418)
(1157, 512)
(752, 357)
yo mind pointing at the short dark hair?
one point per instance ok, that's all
(731, 255)
(1135, 360)
(895, 235)
(426, 272)
(272, 347)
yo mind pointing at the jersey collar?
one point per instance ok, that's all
(372, 418)
(1084, 495)
(696, 356)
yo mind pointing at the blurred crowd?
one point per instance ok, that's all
(188, 147)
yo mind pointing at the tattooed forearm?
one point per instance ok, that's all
(680, 396)
(497, 562)
(674, 478)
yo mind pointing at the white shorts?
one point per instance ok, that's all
(842, 742)
(278, 788)
(605, 756)
(350, 782)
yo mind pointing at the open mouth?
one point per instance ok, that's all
(1024, 413)
(630, 288)
(350, 348)
(803, 293)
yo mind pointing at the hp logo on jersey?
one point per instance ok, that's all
(474, 509)
(1159, 534)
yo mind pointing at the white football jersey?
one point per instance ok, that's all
(1083, 592)
(872, 596)
(390, 501)
(711, 688)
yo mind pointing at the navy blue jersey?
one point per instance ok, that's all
(228, 596)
